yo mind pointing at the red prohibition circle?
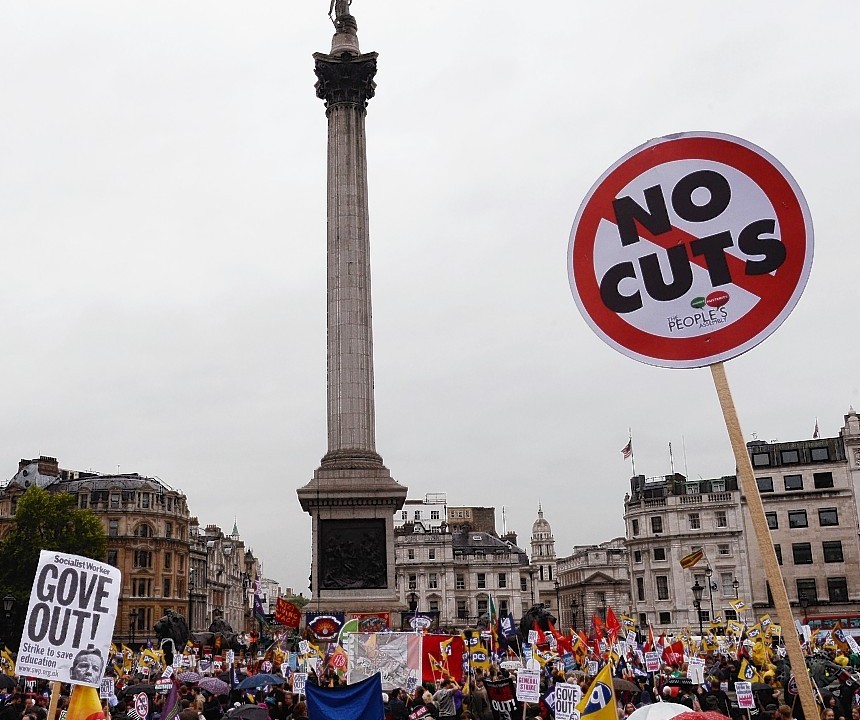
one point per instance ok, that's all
(780, 290)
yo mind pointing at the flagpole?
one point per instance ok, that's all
(632, 452)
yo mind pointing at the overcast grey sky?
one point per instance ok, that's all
(162, 213)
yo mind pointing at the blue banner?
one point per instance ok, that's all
(362, 701)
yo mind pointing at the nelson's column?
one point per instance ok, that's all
(352, 497)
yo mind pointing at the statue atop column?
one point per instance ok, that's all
(343, 20)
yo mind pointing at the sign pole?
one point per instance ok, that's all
(55, 699)
(774, 577)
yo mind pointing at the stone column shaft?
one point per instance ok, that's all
(351, 410)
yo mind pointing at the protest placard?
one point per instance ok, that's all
(567, 697)
(652, 661)
(70, 619)
(744, 693)
(106, 689)
(299, 680)
(528, 686)
(696, 670)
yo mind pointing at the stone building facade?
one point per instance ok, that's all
(809, 492)
(592, 579)
(449, 572)
(167, 561)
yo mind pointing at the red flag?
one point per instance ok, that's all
(564, 644)
(649, 643)
(612, 625)
(674, 654)
(541, 637)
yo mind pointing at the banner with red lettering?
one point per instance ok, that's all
(287, 614)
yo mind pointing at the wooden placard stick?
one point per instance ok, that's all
(55, 699)
(768, 555)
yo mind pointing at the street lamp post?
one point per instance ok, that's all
(8, 604)
(557, 600)
(736, 585)
(697, 603)
(573, 607)
(132, 625)
(708, 573)
(804, 603)
(190, 599)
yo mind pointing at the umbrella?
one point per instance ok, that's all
(257, 681)
(761, 686)
(622, 685)
(188, 677)
(7, 682)
(214, 686)
(658, 711)
(147, 688)
(236, 678)
(680, 682)
(249, 712)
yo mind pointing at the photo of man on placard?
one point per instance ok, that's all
(87, 666)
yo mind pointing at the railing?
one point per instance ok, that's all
(691, 499)
(657, 502)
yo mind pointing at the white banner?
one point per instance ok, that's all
(70, 619)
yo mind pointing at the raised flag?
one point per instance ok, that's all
(748, 672)
(7, 664)
(599, 702)
(694, 558)
(738, 605)
(673, 654)
(287, 614)
(627, 450)
(507, 627)
(612, 624)
(650, 644)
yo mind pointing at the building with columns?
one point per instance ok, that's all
(592, 579)
(449, 571)
(167, 561)
(669, 517)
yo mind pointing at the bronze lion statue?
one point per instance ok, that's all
(172, 634)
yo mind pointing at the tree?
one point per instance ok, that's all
(298, 600)
(45, 521)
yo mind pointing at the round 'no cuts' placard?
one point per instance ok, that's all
(690, 250)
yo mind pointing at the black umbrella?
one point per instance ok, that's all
(7, 682)
(147, 688)
(238, 676)
(249, 712)
(622, 685)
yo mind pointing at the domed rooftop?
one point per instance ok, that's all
(541, 527)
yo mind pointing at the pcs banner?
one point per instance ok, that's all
(70, 619)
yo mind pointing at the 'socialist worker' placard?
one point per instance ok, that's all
(690, 250)
(70, 619)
